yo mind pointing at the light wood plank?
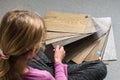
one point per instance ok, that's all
(66, 22)
(83, 54)
(93, 54)
(53, 35)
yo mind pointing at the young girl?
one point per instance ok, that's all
(21, 36)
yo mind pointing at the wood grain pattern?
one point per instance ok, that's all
(66, 22)
(54, 35)
(70, 40)
(100, 46)
(55, 40)
(105, 25)
(76, 47)
(83, 54)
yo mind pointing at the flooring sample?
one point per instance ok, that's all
(67, 22)
(102, 23)
(69, 46)
(52, 41)
(54, 35)
(110, 51)
(94, 53)
(101, 29)
(72, 49)
(70, 39)
(102, 45)
(93, 56)
(75, 45)
(83, 54)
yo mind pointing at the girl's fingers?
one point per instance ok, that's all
(62, 48)
(57, 47)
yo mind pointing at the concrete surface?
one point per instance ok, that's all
(96, 8)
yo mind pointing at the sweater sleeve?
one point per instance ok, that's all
(60, 71)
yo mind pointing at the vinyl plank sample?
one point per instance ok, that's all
(67, 22)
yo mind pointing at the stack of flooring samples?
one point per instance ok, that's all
(84, 38)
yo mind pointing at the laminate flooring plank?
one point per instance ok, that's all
(68, 22)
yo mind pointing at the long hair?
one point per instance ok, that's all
(20, 32)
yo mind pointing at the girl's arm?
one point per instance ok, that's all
(60, 71)
(60, 68)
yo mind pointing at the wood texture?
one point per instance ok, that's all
(100, 46)
(66, 22)
(52, 41)
(83, 54)
(104, 25)
(110, 50)
(76, 46)
(70, 40)
(54, 35)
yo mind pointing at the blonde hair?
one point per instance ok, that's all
(20, 32)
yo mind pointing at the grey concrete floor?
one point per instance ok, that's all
(96, 8)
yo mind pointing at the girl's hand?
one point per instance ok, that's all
(59, 53)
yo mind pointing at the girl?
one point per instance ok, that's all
(21, 36)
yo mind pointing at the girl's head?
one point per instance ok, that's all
(21, 31)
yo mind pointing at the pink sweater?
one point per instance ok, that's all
(35, 74)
